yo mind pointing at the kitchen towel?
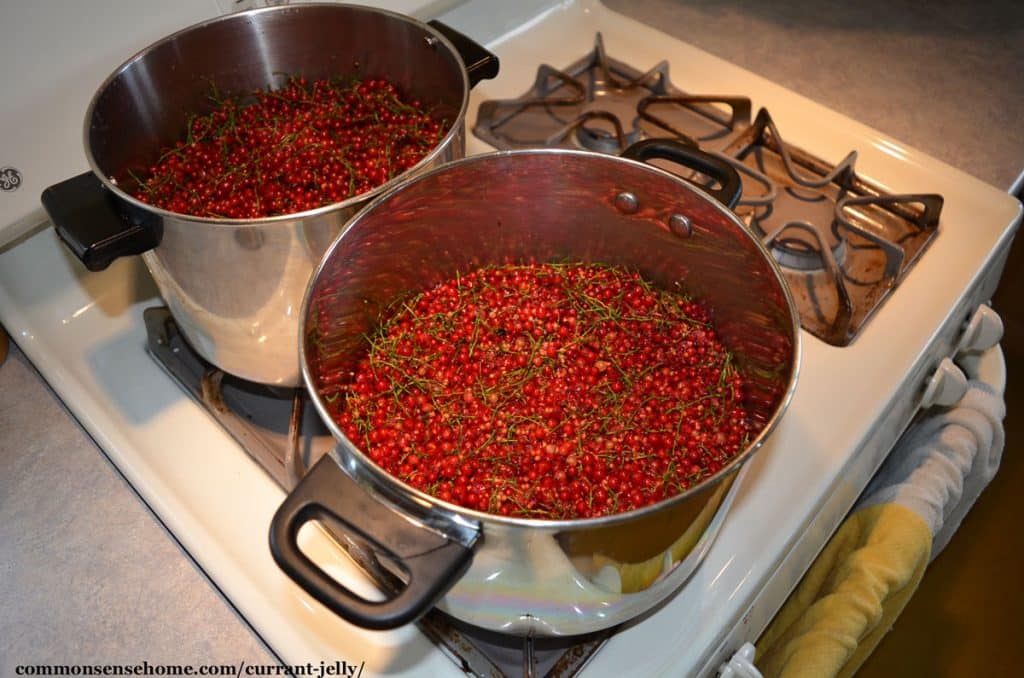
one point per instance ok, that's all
(943, 463)
(867, 572)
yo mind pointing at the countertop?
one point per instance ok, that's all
(88, 573)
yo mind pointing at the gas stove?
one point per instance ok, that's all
(87, 334)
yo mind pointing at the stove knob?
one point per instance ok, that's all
(741, 665)
(984, 331)
(946, 387)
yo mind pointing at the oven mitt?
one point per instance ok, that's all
(858, 585)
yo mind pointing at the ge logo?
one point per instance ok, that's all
(10, 179)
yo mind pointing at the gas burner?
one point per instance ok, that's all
(595, 138)
(798, 245)
(603, 105)
(842, 242)
(285, 438)
(271, 424)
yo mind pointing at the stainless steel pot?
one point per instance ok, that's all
(234, 285)
(518, 575)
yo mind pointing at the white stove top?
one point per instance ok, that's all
(85, 333)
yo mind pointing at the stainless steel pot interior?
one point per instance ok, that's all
(145, 104)
(510, 574)
(554, 206)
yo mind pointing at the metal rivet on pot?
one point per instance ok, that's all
(431, 40)
(680, 225)
(627, 202)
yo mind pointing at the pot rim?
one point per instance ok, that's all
(112, 185)
(383, 483)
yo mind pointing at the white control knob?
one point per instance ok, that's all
(741, 665)
(984, 330)
(946, 387)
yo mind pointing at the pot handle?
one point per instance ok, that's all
(480, 63)
(93, 226)
(731, 184)
(430, 563)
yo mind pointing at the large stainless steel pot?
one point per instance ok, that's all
(518, 575)
(234, 285)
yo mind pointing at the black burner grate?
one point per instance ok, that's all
(843, 243)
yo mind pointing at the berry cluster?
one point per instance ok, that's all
(553, 391)
(303, 146)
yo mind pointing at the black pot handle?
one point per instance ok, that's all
(430, 563)
(480, 64)
(95, 227)
(731, 184)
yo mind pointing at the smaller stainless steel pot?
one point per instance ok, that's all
(517, 575)
(234, 285)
